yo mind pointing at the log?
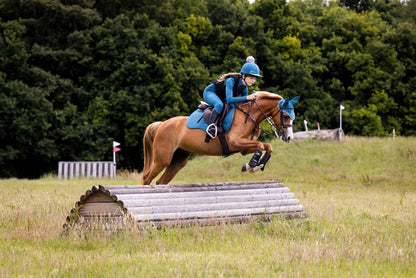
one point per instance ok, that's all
(336, 134)
(203, 194)
(203, 200)
(216, 213)
(185, 204)
(211, 207)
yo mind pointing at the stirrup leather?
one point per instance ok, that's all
(212, 130)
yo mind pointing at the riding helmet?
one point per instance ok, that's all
(250, 68)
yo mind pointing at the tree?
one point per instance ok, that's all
(77, 74)
(40, 84)
(26, 140)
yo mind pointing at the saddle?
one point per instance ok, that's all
(207, 111)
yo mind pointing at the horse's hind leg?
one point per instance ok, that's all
(164, 158)
(179, 160)
(152, 173)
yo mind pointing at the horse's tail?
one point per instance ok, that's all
(149, 136)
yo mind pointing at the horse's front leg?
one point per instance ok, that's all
(257, 162)
(247, 146)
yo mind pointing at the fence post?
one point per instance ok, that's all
(60, 170)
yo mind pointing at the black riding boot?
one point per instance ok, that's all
(212, 127)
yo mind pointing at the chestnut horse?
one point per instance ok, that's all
(168, 145)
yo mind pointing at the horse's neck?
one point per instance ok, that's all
(259, 111)
(264, 109)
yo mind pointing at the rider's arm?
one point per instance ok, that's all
(229, 85)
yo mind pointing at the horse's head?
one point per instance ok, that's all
(280, 116)
(286, 113)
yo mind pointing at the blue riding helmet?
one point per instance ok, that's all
(250, 68)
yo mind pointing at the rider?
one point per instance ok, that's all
(230, 88)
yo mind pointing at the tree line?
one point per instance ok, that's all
(76, 75)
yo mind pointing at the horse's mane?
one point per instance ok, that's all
(264, 95)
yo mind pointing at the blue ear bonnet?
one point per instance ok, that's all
(286, 105)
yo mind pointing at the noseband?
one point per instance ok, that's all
(280, 129)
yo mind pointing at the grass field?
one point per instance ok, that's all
(359, 194)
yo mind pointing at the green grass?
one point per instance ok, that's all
(360, 196)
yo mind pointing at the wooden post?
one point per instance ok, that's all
(60, 170)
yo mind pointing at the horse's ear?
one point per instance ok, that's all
(294, 100)
(287, 101)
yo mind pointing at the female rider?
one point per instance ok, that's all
(230, 88)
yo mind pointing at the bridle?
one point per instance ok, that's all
(280, 129)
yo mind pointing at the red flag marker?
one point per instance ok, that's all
(116, 149)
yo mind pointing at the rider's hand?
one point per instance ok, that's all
(251, 97)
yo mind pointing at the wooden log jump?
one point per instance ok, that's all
(186, 204)
(336, 134)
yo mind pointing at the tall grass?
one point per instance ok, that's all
(360, 196)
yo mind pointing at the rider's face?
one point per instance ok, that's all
(249, 80)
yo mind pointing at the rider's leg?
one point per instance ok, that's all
(213, 122)
(214, 100)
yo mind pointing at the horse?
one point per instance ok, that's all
(167, 145)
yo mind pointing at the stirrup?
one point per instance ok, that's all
(212, 130)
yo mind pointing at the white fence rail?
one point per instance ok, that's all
(76, 169)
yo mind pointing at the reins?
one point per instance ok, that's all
(269, 119)
(248, 115)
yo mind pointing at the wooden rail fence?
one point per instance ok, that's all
(75, 169)
(186, 204)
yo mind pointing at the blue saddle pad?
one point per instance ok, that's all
(196, 120)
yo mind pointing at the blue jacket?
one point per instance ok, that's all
(229, 95)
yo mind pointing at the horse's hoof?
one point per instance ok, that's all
(245, 168)
(258, 167)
